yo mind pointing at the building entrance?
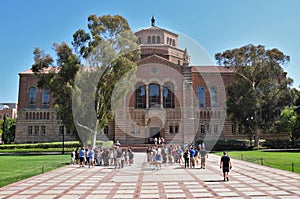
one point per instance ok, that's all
(154, 132)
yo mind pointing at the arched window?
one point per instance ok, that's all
(45, 99)
(153, 39)
(149, 39)
(168, 40)
(173, 42)
(140, 97)
(154, 95)
(158, 39)
(32, 97)
(214, 96)
(168, 96)
(201, 97)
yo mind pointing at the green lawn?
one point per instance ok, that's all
(14, 168)
(280, 160)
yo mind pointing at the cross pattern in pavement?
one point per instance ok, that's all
(139, 180)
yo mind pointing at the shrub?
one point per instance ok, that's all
(224, 145)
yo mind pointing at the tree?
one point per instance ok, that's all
(8, 130)
(288, 123)
(59, 83)
(110, 67)
(260, 90)
(86, 80)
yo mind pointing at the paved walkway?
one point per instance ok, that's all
(140, 181)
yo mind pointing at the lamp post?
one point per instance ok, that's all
(63, 143)
(249, 121)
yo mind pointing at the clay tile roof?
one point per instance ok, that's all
(212, 69)
(46, 70)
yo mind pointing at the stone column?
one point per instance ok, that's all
(147, 96)
(161, 96)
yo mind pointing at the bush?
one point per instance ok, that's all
(47, 147)
(41, 145)
(277, 144)
(224, 145)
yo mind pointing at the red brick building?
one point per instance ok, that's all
(169, 99)
(8, 109)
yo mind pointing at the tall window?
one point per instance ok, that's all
(32, 97)
(201, 97)
(154, 95)
(43, 132)
(176, 128)
(29, 130)
(36, 130)
(168, 97)
(216, 128)
(45, 99)
(149, 39)
(140, 97)
(202, 127)
(105, 130)
(171, 129)
(214, 96)
(153, 39)
(158, 39)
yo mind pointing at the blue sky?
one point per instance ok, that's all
(216, 25)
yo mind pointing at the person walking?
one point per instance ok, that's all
(91, 155)
(204, 155)
(186, 156)
(73, 153)
(225, 165)
(81, 157)
(192, 157)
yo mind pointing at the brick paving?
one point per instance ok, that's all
(247, 180)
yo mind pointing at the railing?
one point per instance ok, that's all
(274, 163)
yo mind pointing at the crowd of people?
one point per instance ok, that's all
(115, 156)
(190, 156)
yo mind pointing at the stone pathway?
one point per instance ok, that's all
(140, 181)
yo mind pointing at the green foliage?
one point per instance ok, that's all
(279, 144)
(110, 52)
(288, 123)
(41, 145)
(224, 145)
(260, 91)
(8, 130)
(47, 147)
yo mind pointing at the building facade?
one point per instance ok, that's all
(169, 98)
(8, 109)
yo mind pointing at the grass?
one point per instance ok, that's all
(18, 167)
(280, 160)
(47, 147)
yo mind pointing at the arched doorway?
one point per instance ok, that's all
(154, 129)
